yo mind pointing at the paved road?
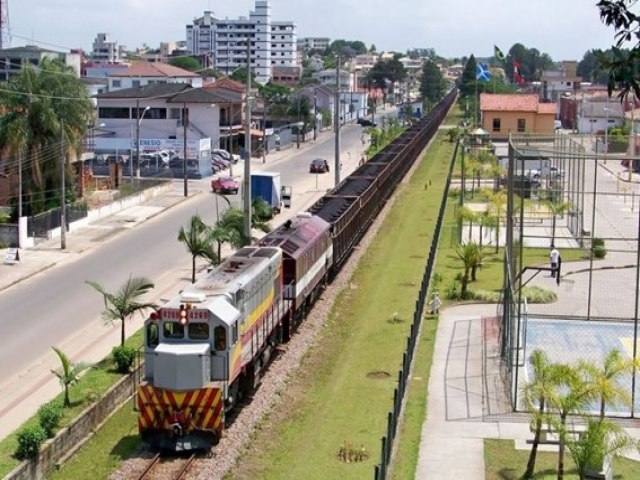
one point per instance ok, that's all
(45, 301)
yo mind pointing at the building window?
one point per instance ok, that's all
(175, 113)
(135, 83)
(522, 125)
(113, 112)
(496, 124)
(116, 83)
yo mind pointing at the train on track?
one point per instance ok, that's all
(211, 343)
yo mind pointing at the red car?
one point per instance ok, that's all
(224, 185)
(319, 165)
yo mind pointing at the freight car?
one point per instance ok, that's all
(208, 346)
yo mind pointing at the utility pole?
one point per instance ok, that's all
(315, 114)
(19, 195)
(336, 123)
(185, 121)
(264, 130)
(246, 181)
(63, 202)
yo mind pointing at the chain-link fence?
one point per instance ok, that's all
(574, 193)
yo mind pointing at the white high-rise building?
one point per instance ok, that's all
(106, 50)
(271, 43)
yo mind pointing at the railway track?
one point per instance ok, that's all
(167, 468)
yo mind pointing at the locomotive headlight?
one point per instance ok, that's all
(183, 315)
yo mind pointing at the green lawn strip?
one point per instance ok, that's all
(94, 383)
(99, 457)
(410, 431)
(333, 402)
(503, 462)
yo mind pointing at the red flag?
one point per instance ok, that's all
(519, 79)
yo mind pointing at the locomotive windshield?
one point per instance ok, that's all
(198, 331)
(172, 330)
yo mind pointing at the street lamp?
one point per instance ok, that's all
(185, 123)
(140, 116)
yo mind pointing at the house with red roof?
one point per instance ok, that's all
(141, 74)
(502, 114)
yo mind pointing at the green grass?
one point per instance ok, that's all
(95, 382)
(100, 456)
(503, 462)
(332, 401)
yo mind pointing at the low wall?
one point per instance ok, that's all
(68, 440)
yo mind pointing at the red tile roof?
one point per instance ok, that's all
(153, 69)
(518, 102)
(227, 84)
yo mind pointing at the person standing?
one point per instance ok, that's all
(554, 257)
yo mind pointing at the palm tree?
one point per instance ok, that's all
(125, 302)
(34, 102)
(469, 254)
(68, 373)
(497, 207)
(603, 440)
(465, 214)
(572, 394)
(198, 241)
(556, 208)
(261, 213)
(535, 395)
(605, 381)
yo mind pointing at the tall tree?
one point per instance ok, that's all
(468, 79)
(590, 69)
(42, 109)
(125, 302)
(198, 242)
(535, 395)
(432, 83)
(571, 396)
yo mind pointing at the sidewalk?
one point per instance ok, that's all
(466, 403)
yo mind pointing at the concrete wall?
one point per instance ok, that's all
(68, 440)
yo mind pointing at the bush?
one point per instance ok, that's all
(123, 356)
(598, 248)
(29, 440)
(49, 416)
(539, 295)
(599, 252)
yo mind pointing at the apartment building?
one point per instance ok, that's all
(314, 43)
(11, 59)
(271, 43)
(106, 50)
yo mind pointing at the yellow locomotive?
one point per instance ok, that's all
(208, 345)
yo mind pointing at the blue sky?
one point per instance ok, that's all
(565, 29)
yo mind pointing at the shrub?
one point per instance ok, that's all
(539, 295)
(29, 440)
(598, 247)
(49, 416)
(599, 252)
(123, 356)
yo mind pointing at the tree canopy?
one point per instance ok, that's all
(622, 64)
(45, 111)
(432, 83)
(187, 63)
